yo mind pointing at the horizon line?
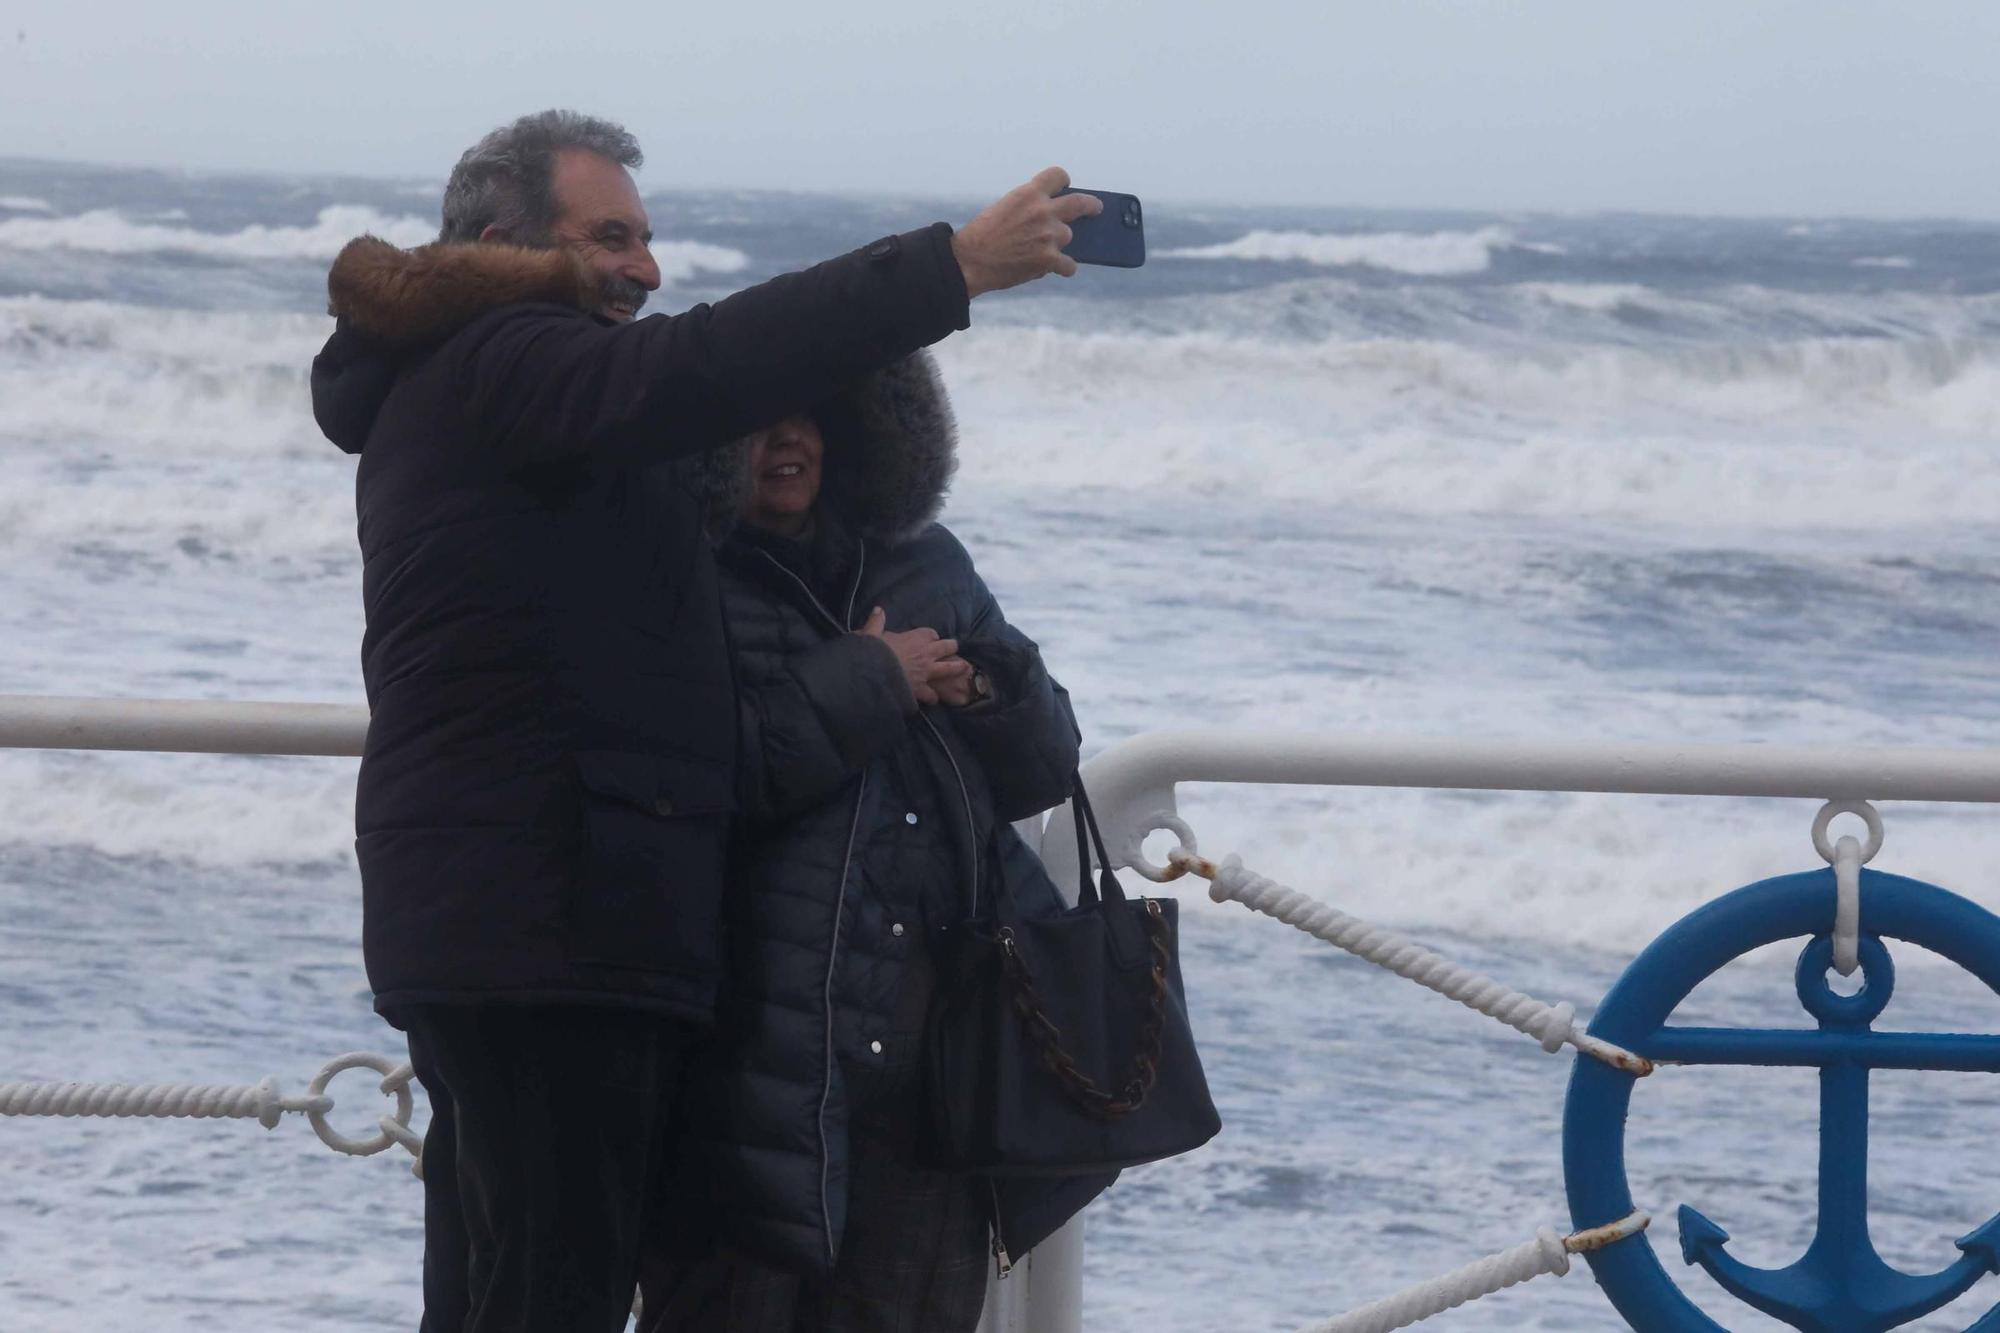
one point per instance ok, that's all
(905, 194)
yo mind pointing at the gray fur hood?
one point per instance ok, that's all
(891, 450)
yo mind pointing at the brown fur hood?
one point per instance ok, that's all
(891, 440)
(406, 298)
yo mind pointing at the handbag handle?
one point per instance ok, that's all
(1136, 1083)
(1081, 817)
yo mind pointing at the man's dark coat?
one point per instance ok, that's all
(551, 761)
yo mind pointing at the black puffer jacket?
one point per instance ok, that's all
(550, 764)
(863, 819)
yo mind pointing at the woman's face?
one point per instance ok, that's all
(784, 470)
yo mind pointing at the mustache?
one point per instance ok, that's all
(613, 290)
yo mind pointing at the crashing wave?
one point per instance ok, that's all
(1436, 254)
(107, 231)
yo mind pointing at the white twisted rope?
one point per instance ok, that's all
(1553, 1025)
(1546, 1253)
(262, 1102)
(1496, 1272)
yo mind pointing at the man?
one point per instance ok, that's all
(549, 767)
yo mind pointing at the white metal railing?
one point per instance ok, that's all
(1133, 789)
(1133, 785)
(183, 726)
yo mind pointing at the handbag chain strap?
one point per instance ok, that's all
(1047, 1038)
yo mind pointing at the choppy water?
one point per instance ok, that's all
(1616, 478)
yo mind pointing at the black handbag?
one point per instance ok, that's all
(1060, 1044)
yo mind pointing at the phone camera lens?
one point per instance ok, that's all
(1131, 215)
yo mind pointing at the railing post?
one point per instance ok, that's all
(1044, 1294)
(1055, 1293)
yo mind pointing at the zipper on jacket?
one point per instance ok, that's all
(965, 796)
(964, 792)
(854, 588)
(832, 962)
(1003, 1264)
(839, 909)
(817, 604)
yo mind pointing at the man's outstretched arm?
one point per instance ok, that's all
(540, 384)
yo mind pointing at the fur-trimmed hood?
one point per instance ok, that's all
(405, 298)
(891, 440)
(891, 450)
(391, 302)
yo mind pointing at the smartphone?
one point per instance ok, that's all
(1116, 237)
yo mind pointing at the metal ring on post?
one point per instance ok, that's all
(1846, 906)
(1158, 821)
(395, 1082)
(1868, 815)
(1847, 857)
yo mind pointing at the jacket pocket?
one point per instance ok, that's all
(649, 898)
(464, 909)
(666, 786)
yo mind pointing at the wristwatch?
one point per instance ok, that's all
(982, 688)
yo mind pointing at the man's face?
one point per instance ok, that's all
(600, 219)
(785, 471)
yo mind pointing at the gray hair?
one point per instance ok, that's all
(505, 178)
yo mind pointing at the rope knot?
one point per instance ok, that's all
(1556, 1026)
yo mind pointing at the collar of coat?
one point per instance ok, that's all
(407, 298)
(891, 439)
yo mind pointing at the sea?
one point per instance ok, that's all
(1579, 477)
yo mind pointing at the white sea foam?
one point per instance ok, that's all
(1433, 254)
(1597, 296)
(681, 260)
(21, 203)
(1886, 261)
(106, 231)
(140, 381)
(1868, 433)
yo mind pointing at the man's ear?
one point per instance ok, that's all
(495, 234)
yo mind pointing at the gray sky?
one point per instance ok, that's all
(1736, 106)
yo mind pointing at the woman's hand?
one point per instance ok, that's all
(962, 689)
(930, 664)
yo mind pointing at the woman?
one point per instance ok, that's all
(893, 725)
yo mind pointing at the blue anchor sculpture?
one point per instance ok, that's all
(1840, 1285)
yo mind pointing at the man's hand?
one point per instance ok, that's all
(927, 660)
(1020, 238)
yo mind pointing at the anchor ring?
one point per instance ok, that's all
(1636, 1013)
(395, 1083)
(1157, 822)
(1832, 810)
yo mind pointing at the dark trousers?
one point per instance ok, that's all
(543, 1165)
